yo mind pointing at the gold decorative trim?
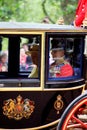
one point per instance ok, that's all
(26, 32)
(38, 88)
(64, 89)
(21, 32)
(20, 89)
(18, 108)
(42, 61)
(58, 104)
(83, 90)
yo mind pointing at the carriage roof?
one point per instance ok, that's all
(26, 26)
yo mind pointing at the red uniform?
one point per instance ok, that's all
(62, 70)
(65, 71)
(81, 12)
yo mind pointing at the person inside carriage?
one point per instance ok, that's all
(34, 52)
(60, 66)
(3, 62)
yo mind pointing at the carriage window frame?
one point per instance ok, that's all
(6, 77)
(63, 80)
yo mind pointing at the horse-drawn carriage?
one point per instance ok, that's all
(36, 86)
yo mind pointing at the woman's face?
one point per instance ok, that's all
(4, 59)
(22, 52)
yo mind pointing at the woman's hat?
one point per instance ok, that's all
(33, 48)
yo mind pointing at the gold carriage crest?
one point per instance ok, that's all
(58, 104)
(18, 108)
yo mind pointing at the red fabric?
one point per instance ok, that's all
(80, 12)
(0, 67)
(65, 71)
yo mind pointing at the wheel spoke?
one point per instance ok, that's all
(75, 125)
(79, 121)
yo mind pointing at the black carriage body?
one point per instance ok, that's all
(37, 102)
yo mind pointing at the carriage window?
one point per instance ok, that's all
(30, 56)
(3, 54)
(20, 58)
(64, 58)
(59, 63)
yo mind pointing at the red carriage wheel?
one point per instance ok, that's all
(75, 116)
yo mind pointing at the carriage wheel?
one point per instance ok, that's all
(75, 116)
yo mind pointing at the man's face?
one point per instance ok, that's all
(57, 53)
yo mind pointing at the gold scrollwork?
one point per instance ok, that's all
(58, 104)
(18, 108)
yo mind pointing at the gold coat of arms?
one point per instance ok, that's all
(18, 108)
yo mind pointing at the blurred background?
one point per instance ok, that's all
(37, 10)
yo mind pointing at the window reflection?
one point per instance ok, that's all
(3, 54)
(29, 56)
